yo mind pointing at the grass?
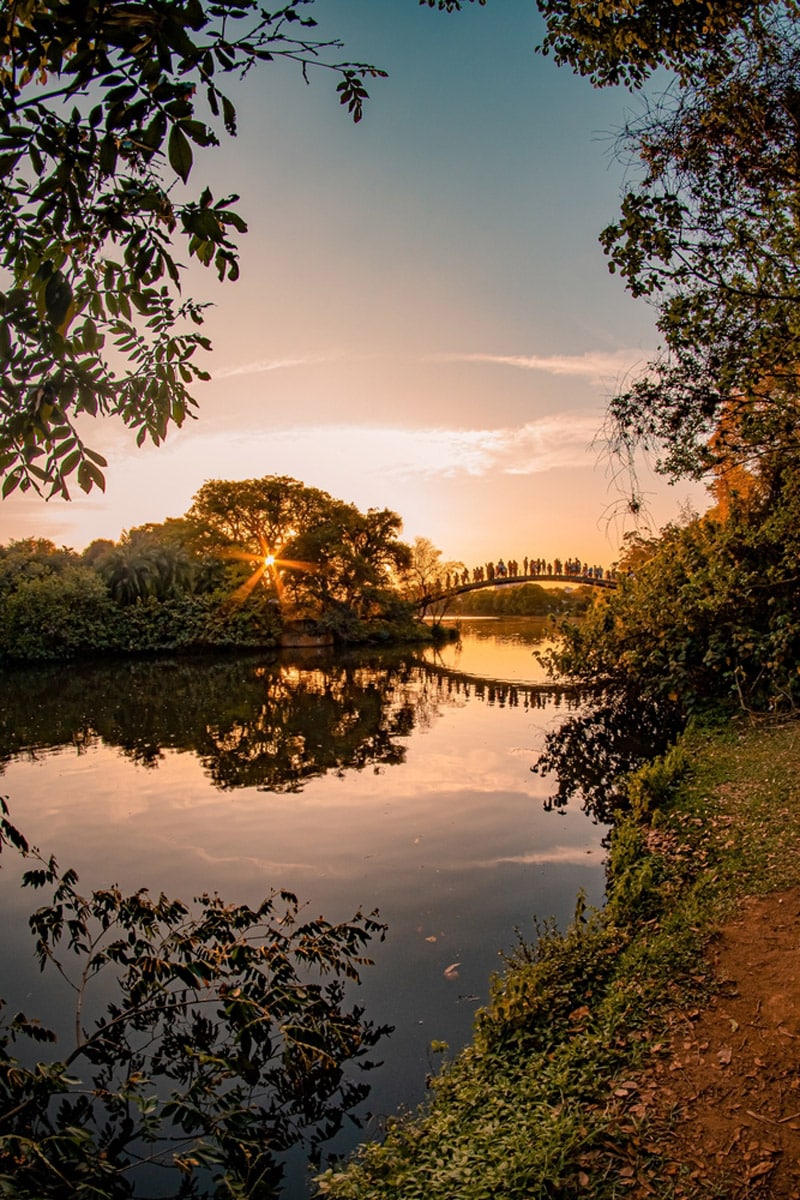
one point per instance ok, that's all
(536, 1106)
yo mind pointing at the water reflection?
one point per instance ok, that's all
(271, 725)
(590, 752)
(396, 781)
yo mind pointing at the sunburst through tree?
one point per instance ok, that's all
(321, 557)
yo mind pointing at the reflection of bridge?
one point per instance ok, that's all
(436, 597)
(453, 683)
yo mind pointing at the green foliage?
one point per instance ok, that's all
(322, 558)
(147, 564)
(57, 615)
(710, 617)
(217, 1053)
(525, 600)
(71, 615)
(514, 1114)
(708, 229)
(102, 111)
(624, 41)
(533, 1003)
(651, 787)
(204, 580)
(710, 234)
(31, 558)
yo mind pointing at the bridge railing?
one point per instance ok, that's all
(607, 581)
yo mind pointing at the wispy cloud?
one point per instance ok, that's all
(597, 366)
(263, 365)
(547, 444)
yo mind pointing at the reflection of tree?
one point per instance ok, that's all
(309, 722)
(590, 752)
(270, 725)
(227, 1040)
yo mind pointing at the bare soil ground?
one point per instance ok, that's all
(725, 1088)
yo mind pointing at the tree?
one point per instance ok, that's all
(317, 553)
(711, 235)
(350, 560)
(426, 572)
(256, 516)
(217, 1052)
(710, 232)
(146, 563)
(102, 109)
(708, 615)
(625, 41)
(31, 558)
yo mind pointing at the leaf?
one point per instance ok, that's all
(228, 115)
(57, 299)
(70, 463)
(108, 154)
(10, 483)
(180, 153)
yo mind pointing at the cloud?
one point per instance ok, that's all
(337, 452)
(368, 464)
(547, 444)
(596, 366)
(261, 366)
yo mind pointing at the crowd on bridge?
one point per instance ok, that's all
(572, 569)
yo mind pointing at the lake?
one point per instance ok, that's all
(392, 780)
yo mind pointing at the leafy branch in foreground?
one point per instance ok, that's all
(102, 108)
(217, 1053)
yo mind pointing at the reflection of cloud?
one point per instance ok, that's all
(597, 366)
(556, 854)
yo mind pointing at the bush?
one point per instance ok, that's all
(218, 1051)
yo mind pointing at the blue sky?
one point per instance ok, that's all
(425, 320)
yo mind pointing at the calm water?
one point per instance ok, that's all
(400, 782)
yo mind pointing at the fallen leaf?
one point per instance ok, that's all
(451, 972)
(762, 1168)
(724, 1056)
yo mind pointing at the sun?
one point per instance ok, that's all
(268, 563)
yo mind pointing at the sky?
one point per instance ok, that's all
(425, 320)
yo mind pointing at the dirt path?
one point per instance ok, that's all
(730, 1073)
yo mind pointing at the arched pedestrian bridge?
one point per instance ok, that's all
(438, 595)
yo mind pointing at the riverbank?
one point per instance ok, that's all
(604, 1051)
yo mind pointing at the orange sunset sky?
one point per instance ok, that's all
(425, 320)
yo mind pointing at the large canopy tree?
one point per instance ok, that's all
(709, 231)
(103, 106)
(318, 552)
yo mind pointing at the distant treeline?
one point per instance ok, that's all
(58, 606)
(526, 600)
